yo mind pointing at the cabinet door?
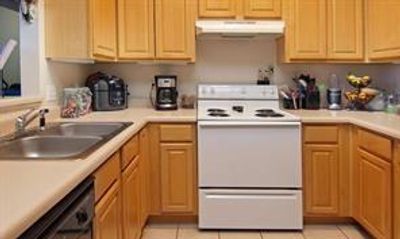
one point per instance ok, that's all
(104, 23)
(396, 186)
(261, 8)
(345, 30)
(177, 177)
(144, 169)
(136, 29)
(175, 29)
(131, 201)
(217, 8)
(107, 222)
(321, 179)
(383, 29)
(306, 29)
(374, 189)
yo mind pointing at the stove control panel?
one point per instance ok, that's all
(254, 92)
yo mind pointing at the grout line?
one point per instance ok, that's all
(337, 226)
(177, 231)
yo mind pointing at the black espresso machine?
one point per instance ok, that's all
(109, 92)
(166, 92)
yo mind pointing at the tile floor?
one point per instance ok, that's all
(189, 231)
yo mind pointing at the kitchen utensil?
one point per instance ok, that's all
(334, 97)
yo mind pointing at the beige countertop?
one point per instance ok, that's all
(30, 188)
(387, 124)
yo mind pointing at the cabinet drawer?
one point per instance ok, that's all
(176, 132)
(129, 151)
(321, 134)
(374, 143)
(106, 175)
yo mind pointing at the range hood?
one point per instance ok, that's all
(243, 28)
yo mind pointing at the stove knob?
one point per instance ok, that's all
(212, 91)
(243, 91)
(203, 90)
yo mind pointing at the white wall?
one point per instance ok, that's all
(391, 77)
(39, 76)
(29, 46)
(233, 61)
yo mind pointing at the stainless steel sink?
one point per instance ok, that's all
(47, 147)
(85, 129)
(60, 141)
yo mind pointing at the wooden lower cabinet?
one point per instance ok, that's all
(373, 193)
(131, 201)
(396, 186)
(321, 179)
(173, 171)
(144, 173)
(177, 177)
(108, 219)
(326, 171)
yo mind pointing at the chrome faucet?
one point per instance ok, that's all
(24, 120)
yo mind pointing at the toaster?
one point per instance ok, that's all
(109, 92)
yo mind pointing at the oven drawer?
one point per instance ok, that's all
(250, 209)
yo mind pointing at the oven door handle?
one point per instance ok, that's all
(245, 123)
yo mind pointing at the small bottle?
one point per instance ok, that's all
(391, 107)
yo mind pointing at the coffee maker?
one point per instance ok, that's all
(166, 92)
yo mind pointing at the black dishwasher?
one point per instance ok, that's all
(72, 218)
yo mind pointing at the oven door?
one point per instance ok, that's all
(249, 154)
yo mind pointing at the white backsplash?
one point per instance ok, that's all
(235, 61)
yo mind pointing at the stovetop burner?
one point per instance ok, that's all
(216, 111)
(218, 114)
(272, 115)
(265, 111)
(268, 113)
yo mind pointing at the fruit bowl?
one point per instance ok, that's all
(358, 81)
(358, 99)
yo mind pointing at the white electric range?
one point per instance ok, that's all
(249, 155)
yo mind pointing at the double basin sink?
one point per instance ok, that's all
(61, 141)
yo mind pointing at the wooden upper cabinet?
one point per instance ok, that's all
(177, 178)
(345, 30)
(66, 30)
(374, 194)
(262, 9)
(321, 176)
(306, 29)
(104, 27)
(248, 9)
(383, 31)
(175, 29)
(217, 8)
(136, 29)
